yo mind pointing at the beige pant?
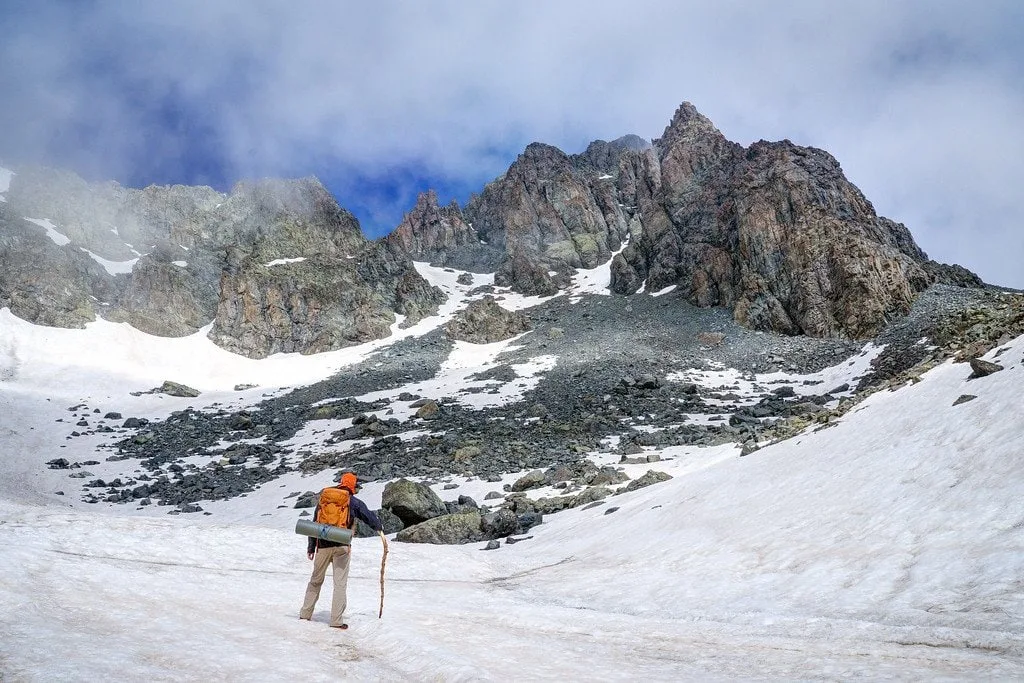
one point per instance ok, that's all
(337, 557)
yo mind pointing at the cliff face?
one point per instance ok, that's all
(275, 266)
(307, 280)
(43, 282)
(442, 234)
(773, 231)
(549, 208)
(549, 213)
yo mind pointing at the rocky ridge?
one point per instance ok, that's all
(275, 266)
(775, 231)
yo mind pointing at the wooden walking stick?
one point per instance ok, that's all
(383, 559)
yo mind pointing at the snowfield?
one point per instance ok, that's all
(889, 544)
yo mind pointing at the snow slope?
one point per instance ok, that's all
(889, 545)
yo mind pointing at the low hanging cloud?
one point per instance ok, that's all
(920, 101)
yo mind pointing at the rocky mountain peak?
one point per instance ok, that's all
(295, 195)
(632, 142)
(604, 156)
(690, 126)
(536, 151)
(426, 200)
(443, 235)
(691, 152)
(551, 210)
(539, 162)
(774, 231)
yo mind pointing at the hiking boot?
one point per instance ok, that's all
(341, 626)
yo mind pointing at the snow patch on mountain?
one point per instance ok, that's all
(595, 280)
(59, 238)
(750, 386)
(455, 381)
(112, 267)
(663, 290)
(283, 261)
(51, 361)
(584, 281)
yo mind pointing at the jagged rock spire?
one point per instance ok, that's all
(688, 125)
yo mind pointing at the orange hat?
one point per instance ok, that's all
(349, 481)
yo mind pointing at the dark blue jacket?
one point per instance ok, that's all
(357, 509)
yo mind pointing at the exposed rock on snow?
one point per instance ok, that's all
(983, 368)
(465, 527)
(650, 477)
(175, 389)
(484, 321)
(412, 502)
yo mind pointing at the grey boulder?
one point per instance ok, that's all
(412, 502)
(464, 527)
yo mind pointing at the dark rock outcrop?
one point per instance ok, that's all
(524, 274)
(484, 321)
(774, 231)
(983, 368)
(442, 235)
(46, 283)
(648, 478)
(463, 527)
(546, 206)
(412, 502)
(315, 305)
(309, 281)
(530, 480)
(175, 389)
(165, 298)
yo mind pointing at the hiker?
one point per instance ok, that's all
(337, 506)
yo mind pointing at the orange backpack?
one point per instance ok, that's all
(334, 507)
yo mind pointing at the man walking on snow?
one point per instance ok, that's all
(339, 506)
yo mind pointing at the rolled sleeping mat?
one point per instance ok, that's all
(325, 532)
